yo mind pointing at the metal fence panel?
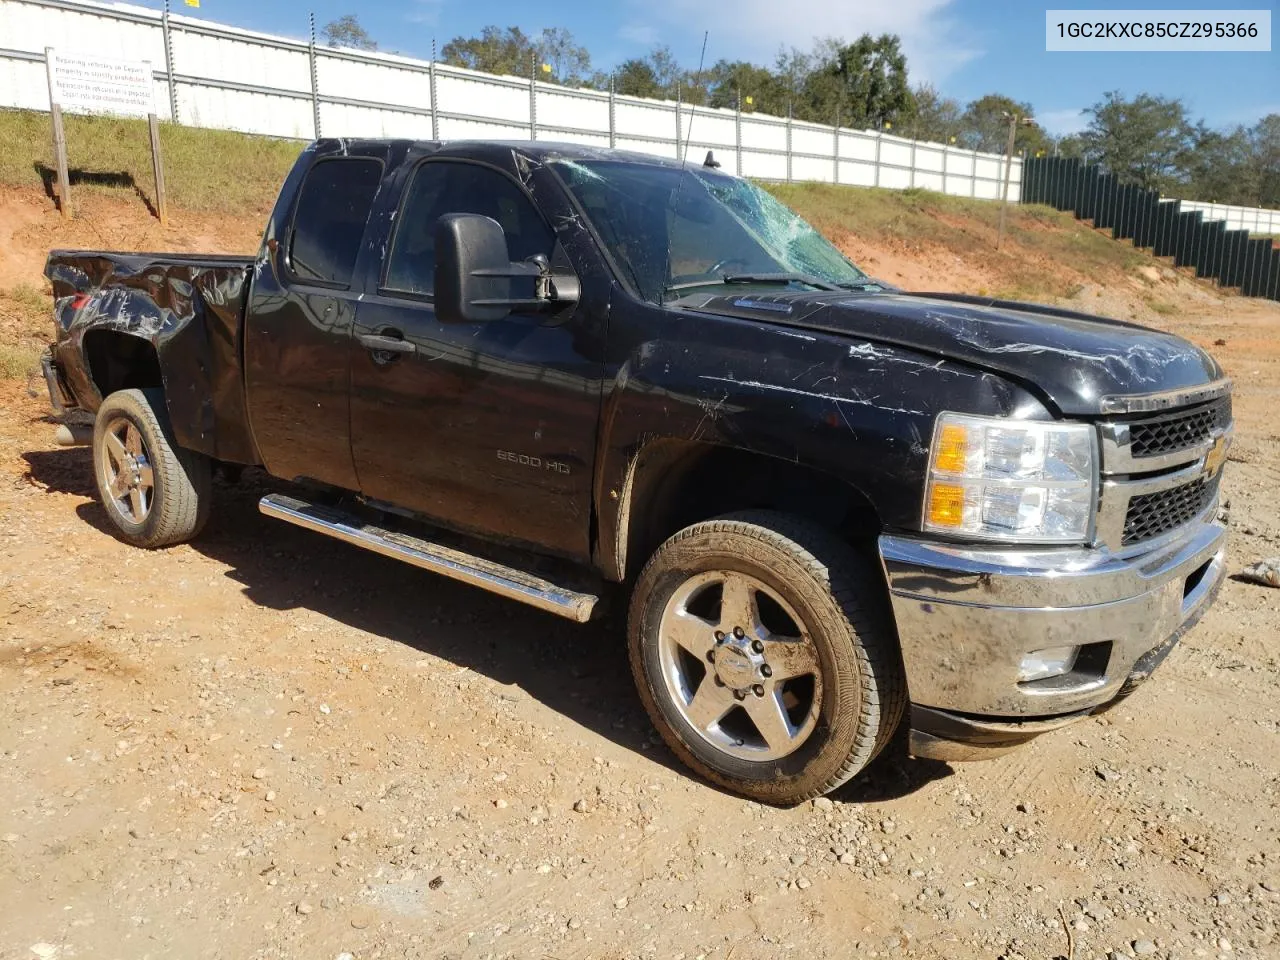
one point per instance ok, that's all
(1212, 238)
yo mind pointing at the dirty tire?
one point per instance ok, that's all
(181, 479)
(838, 595)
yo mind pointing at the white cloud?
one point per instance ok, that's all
(1060, 123)
(643, 34)
(425, 11)
(935, 44)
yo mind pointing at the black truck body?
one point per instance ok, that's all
(590, 420)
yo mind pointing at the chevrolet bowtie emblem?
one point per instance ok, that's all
(1217, 455)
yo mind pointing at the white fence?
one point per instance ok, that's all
(210, 75)
(1253, 219)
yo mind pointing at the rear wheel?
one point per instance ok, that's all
(764, 654)
(155, 492)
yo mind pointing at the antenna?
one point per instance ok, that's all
(697, 82)
(684, 154)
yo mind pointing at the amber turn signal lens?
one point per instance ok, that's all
(946, 505)
(953, 442)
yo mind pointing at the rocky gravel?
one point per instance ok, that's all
(266, 744)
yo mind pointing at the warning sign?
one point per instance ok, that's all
(81, 83)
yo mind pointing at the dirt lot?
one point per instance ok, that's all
(269, 744)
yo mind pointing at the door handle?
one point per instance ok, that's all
(388, 341)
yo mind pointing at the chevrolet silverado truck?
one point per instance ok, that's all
(558, 372)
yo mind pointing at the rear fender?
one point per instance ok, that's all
(189, 317)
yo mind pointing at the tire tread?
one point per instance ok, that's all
(846, 575)
(185, 477)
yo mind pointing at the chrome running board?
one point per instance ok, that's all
(485, 574)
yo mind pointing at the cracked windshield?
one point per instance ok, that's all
(675, 231)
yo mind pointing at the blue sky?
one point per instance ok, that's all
(964, 47)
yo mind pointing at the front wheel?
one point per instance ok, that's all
(155, 492)
(764, 654)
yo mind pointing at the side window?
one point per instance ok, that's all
(440, 187)
(333, 207)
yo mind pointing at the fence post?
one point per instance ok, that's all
(315, 79)
(876, 181)
(911, 182)
(613, 125)
(168, 64)
(835, 149)
(788, 142)
(679, 126)
(973, 176)
(946, 152)
(431, 77)
(737, 133)
(157, 169)
(533, 96)
(59, 140)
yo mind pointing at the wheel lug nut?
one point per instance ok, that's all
(711, 656)
(766, 670)
(739, 695)
(737, 632)
(718, 681)
(758, 690)
(757, 646)
(719, 637)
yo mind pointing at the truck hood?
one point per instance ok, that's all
(1071, 360)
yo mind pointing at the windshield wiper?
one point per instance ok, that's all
(780, 279)
(867, 284)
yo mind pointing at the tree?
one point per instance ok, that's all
(637, 78)
(347, 32)
(569, 62)
(1070, 146)
(866, 81)
(511, 51)
(936, 117)
(760, 89)
(1264, 161)
(657, 76)
(1144, 141)
(985, 126)
(496, 50)
(1217, 167)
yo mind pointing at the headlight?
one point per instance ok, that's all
(1017, 480)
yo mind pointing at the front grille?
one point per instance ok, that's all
(1177, 431)
(1151, 514)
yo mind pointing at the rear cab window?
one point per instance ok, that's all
(330, 218)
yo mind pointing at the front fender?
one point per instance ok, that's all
(857, 411)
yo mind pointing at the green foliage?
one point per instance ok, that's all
(557, 57)
(864, 82)
(657, 75)
(1144, 141)
(1240, 166)
(936, 117)
(985, 126)
(347, 32)
(759, 87)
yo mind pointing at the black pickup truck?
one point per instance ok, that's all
(548, 370)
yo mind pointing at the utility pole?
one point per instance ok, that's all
(1014, 120)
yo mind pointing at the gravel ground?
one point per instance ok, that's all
(270, 744)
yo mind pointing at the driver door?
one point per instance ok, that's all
(485, 427)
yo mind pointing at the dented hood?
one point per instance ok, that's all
(1072, 360)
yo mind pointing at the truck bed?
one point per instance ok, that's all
(189, 309)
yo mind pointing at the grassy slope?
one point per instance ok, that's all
(204, 170)
(1038, 239)
(1046, 255)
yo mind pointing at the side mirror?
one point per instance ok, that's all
(474, 274)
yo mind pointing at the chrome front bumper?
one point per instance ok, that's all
(966, 616)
